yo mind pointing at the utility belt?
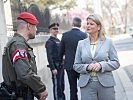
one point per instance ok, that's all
(13, 92)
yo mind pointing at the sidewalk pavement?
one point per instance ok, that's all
(123, 88)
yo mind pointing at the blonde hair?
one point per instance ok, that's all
(98, 20)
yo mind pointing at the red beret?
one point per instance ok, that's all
(28, 17)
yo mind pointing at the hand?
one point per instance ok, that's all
(98, 67)
(54, 72)
(90, 67)
(43, 95)
(94, 67)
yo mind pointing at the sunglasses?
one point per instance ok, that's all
(55, 28)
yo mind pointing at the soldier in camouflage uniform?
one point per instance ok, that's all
(18, 64)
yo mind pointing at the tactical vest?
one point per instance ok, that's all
(8, 70)
(15, 86)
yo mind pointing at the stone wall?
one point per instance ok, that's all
(38, 45)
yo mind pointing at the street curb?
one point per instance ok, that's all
(126, 82)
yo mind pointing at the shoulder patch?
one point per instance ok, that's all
(18, 54)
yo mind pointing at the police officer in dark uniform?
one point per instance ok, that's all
(52, 49)
(18, 65)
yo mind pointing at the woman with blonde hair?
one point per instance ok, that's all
(95, 59)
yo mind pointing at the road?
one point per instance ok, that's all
(125, 54)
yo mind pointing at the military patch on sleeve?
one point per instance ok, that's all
(18, 54)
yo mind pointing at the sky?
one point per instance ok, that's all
(81, 3)
(120, 2)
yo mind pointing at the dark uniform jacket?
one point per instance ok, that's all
(52, 49)
(68, 46)
(19, 65)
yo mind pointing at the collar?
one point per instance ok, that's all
(16, 34)
(23, 39)
(76, 28)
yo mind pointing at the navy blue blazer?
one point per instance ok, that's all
(68, 46)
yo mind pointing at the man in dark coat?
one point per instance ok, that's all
(68, 49)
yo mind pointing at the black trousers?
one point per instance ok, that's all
(72, 78)
(58, 85)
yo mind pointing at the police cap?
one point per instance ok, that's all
(28, 17)
(53, 25)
